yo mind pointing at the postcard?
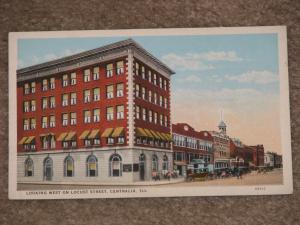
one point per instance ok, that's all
(149, 113)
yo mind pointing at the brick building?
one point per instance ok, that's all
(189, 144)
(98, 116)
(258, 155)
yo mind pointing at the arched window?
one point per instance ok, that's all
(165, 164)
(92, 166)
(154, 163)
(48, 168)
(28, 167)
(115, 163)
(69, 166)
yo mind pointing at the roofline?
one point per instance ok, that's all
(117, 45)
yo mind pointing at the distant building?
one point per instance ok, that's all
(237, 153)
(258, 155)
(277, 160)
(189, 145)
(269, 159)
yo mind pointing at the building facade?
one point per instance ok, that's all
(98, 116)
(258, 157)
(189, 145)
(269, 159)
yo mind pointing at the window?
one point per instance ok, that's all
(120, 67)
(110, 140)
(87, 116)
(87, 142)
(137, 69)
(144, 114)
(44, 103)
(96, 141)
(165, 165)
(32, 123)
(109, 70)
(26, 89)
(137, 90)
(87, 75)
(65, 99)
(52, 102)
(137, 112)
(150, 116)
(143, 72)
(65, 119)
(73, 78)
(120, 90)
(52, 83)
(45, 142)
(115, 164)
(65, 81)
(150, 96)
(73, 98)
(155, 118)
(155, 98)
(26, 124)
(26, 106)
(87, 96)
(160, 82)
(110, 91)
(52, 121)
(69, 166)
(96, 113)
(144, 93)
(120, 112)
(45, 85)
(121, 140)
(92, 167)
(96, 94)
(28, 167)
(65, 144)
(73, 118)
(165, 85)
(166, 103)
(109, 113)
(154, 163)
(154, 79)
(166, 121)
(33, 87)
(161, 119)
(44, 122)
(160, 100)
(33, 105)
(149, 76)
(96, 74)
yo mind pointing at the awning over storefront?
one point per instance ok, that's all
(62, 136)
(94, 134)
(169, 136)
(140, 132)
(29, 140)
(119, 131)
(22, 141)
(84, 134)
(160, 136)
(148, 133)
(155, 135)
(164, 136)
(70, 136)
(107, 132)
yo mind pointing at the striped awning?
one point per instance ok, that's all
(94, 134)
(62, 136)
(148, 132)
(140, 132)
(169, 136)
(155, 135)
(22, 141)
(107, 132)
(165, 138)
(70, 136)
(29, 140)
(84, 134)
(119, 131)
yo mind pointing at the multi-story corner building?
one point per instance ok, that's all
(221, 144)
(98, 116)
(189, 144)
(258, 155)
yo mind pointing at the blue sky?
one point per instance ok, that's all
(234, 73)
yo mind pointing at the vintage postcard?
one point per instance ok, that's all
(149, 113)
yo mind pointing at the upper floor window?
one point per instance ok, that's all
(87, 96)
(45, 85)
(160, 82)
(73, 118)
(160, 100)
(65, 99)
(44, 122)
(154, 79)
(120, 67)
(65, 80)
(26, 89)
(165, 85)
(33, 85)
(120, 90)
(110, 91)
(161, 120)
(87, 116)
(120, 112)
(166, 103)
(44, 103)
(52, 121)
(109, 113)
(137, 112)
(73, 98)
(137, 90)
(26, 124)
(137, 69)
(73, 78)
(144, 93)
(150, 116)
(32, 123)
(96, 94)
(65, 119)
(155, 98)
(52, 102)
(96, 74)
(144, 114)
(150, 96)
(143, 72)
(26, 106)
(96, 113)
(33, 105)
(87, 75)
(149, 76)
(166, 121)
(155, 118)
(52, 83)
(109, 70)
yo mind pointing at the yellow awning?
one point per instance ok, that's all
(154, 134)
(140, 132)
(94, 134)
(119, 131)
(107, 132)
(29, 140)
(164, 138)
(84, 134)
(62, 136)
(70, 136)
(22, 141)
(169, 136)
(148, 132)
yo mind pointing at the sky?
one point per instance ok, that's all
(235, 74)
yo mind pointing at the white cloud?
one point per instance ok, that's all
(190, 78)
(218, 56)
(259, 77)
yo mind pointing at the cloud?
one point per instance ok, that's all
(230, 56)
(190, 78)
(259, 77)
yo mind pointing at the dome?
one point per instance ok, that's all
(222, 124)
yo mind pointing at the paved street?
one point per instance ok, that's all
(274, 177)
